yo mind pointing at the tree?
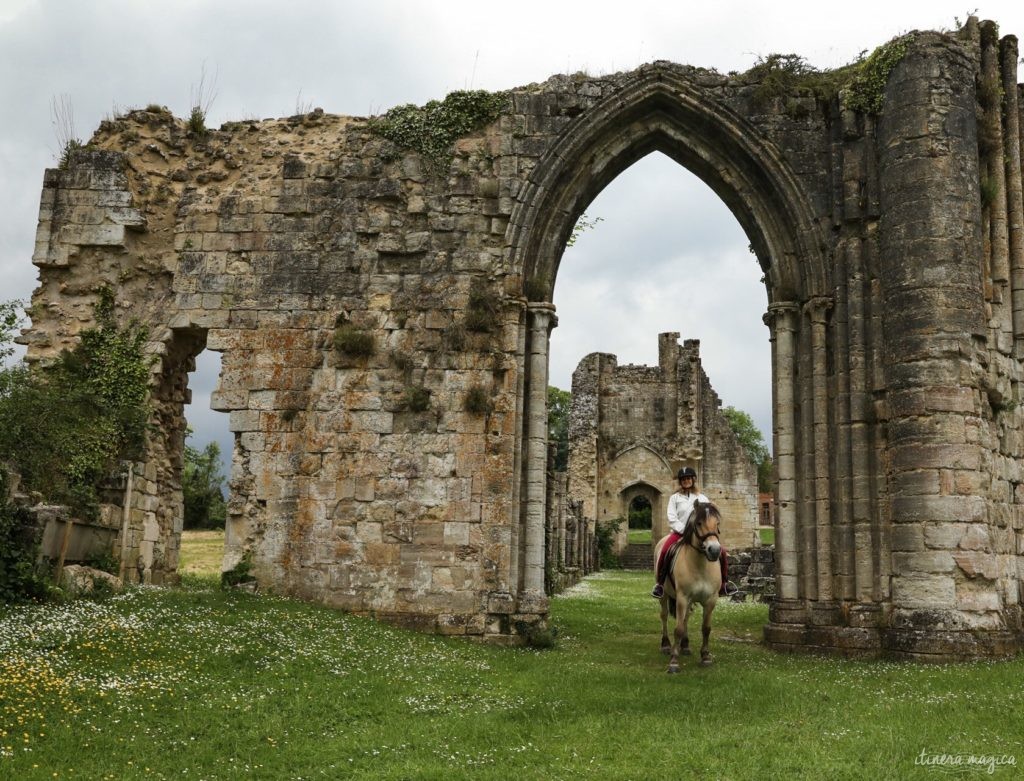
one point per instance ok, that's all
(558, 424)
(10, 321)
(751, 439)
(201, 485)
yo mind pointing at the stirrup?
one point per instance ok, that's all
(658, 591)
(729, 588)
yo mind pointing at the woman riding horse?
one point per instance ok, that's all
(695, 578)
(680, 508)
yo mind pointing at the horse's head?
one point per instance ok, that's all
(705, 529)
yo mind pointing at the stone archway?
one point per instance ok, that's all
(664, 108)
(385, 315)
(655, 500)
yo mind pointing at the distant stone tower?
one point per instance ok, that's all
(632, 427)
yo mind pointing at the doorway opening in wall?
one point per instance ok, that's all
(206, 464)
(659, 254)
(639, 520)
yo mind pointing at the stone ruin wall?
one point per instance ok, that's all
(633, 425)
(893, 252)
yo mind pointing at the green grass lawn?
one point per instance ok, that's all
(201, 552)
(197, 683)
(639, 535)
(767, 536)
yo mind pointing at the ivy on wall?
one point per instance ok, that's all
(432, 129)
(66, 427)
(862, 82)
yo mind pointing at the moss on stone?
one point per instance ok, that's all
(353, 341)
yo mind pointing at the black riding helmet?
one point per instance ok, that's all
(688, 471)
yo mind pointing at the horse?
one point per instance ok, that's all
(696, 576)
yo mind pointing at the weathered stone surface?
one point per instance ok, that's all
(79, 579)
(384, 322)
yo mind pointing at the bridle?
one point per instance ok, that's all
(702, 538)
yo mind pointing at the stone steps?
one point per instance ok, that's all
(637, 555)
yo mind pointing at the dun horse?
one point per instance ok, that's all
(695, 577)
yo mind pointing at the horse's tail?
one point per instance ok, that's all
(671, 606)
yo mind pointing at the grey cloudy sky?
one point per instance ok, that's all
(668, 255)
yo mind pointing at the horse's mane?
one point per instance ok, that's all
(700, 511)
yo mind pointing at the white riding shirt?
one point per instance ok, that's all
(680, 508)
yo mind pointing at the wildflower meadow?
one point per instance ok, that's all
(200, 683)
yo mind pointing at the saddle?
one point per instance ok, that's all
(668, 562)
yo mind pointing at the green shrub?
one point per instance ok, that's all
(477, 401)
(605, 532)
(240, 573)
(20, 578)
(197, 121)
(66, 428)
(541, 637)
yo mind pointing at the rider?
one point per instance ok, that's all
(680, 509)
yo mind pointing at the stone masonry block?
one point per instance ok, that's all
(922, 591)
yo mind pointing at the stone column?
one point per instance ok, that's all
(817, 310)
(1014, 189)
(782, 318)
(541, 320)
(933, 317)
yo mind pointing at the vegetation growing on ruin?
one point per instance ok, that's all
(483, 308)
(454, 337)
(864, 80)
(433, 129)
(416, 398)
(477, 400)
(867, 88)
(201, 97)
(353, 341)
(66, 428)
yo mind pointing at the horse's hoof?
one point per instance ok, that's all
(673, 669)
(666, 649)
(706, 661)
(685, 651)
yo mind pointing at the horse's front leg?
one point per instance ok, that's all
(666, 646)
(681, 640)
(705, 630)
